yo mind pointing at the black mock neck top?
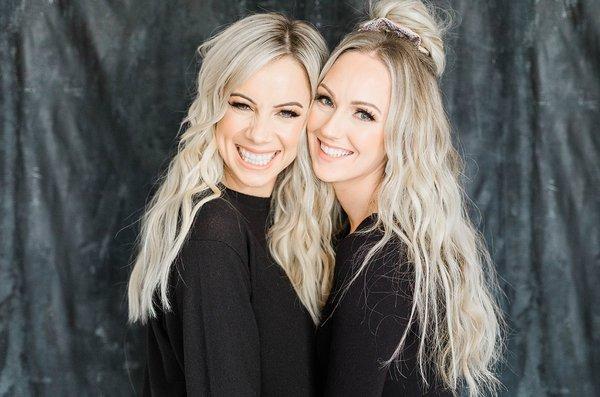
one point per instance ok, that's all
(237, 327)
(362, 328)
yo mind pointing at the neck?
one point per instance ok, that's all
(358, 197)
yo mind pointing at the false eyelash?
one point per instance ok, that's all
(291, 113)
(238, 104)
(321, 96)
(371, 115)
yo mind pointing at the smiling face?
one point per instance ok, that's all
(258, 135)
(346, 122)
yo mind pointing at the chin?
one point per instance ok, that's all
(255, 181)
(324, 176)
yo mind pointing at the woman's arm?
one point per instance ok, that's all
(220, 335)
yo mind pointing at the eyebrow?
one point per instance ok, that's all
(353, 102)
(276, 106)
(328, 90)
(365, 104)
(289, 104)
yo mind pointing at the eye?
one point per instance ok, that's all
(240, 105)
(324, 100)
(365, 115)
(288, 114)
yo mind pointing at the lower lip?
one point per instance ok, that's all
(251, 166)
(327, 157)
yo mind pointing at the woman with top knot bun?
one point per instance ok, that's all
(412, 308)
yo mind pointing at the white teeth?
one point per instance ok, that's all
(254, 158)
(334, 152)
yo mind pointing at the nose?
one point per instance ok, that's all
(331, 128)
(259, 132)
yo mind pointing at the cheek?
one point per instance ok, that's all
(370, 144)
(316, 118)
(230, 125)
(380, 145)
(289, 136)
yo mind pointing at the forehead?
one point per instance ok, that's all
(359, 76)
(280, 80)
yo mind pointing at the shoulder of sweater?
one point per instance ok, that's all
(359, 244)
(380, 296)
(219, 220)
(387, 268)
(218, 234)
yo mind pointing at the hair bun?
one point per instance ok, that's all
(423, 19)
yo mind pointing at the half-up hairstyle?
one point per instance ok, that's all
(421, 203)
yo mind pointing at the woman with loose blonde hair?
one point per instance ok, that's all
(413, 283)
(234, 246)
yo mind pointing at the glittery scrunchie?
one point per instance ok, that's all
(385, 24)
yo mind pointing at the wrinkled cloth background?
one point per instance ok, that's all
(92, 93)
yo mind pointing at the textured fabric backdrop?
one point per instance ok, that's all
(92, 93)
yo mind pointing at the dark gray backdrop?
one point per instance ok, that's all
(91, 96)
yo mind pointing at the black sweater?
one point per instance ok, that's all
(237, 327)
(363, 327)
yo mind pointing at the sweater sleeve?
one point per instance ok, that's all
(367, 325)
(220, 334)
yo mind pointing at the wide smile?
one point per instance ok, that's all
(256, 160)
(331, 152)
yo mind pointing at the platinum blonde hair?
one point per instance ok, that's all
(420, 202)
(298, 240)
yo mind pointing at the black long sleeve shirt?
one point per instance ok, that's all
(362, 327)
(237, 327)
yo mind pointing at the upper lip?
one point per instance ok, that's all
(250, 149)
(332, 146)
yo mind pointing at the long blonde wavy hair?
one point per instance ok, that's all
(420, 202)
(299, 238)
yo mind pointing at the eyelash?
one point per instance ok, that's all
(319, 98)
(371, 117)
(369, 114)
(240, 105)
(288, 114)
